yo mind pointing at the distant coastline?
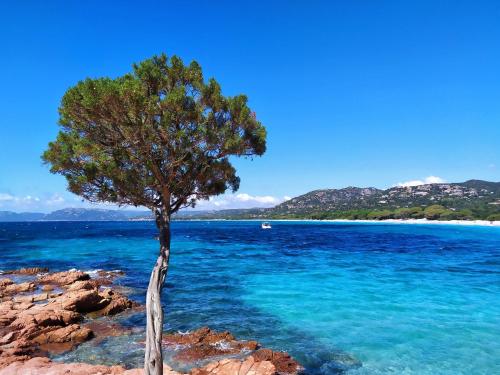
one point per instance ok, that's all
(418, 221)
(486, 223)
(474, 202)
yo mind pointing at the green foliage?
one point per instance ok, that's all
(434, 212)
(408, 213)
(380, 215)
(494, 217)
(160, 137)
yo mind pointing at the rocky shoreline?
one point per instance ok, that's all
(43, 313)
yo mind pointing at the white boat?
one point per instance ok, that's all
(265, 225)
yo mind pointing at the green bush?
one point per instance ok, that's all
(435, 211)
(494, 217)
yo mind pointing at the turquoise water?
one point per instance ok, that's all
(341, 298)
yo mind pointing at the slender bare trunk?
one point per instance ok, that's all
(153, 358)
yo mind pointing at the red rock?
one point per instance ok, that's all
(48, 288)
(236, 367)
(37, 297)
(110, 274)
(118, 304)
(46, 317)
(28, 271)
(63, 278)
(18, 288)
(83, 285)
(283, 362)
(103, 328)
(9, 311)
(205, 343)
(84, 301)
(72, 333)
(44, 366)
(27, 329)
(4, 282)
(248, 345)
(202, 351)
(6, 339)
(201, 335)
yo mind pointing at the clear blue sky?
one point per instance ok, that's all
(364, 93)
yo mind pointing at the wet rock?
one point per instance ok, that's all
(204, 344)
(28, 271)
(49, 322)
(43, 323)
(247, 366)
(4, 282)
(72, 333)
(117, 304)
(44, 366)
(63, 278)
(106, 278)
(105, 327)
(37, 297)
(283, 362)
(201, 335)
(110, 274)
(84, 285)
(13, 288)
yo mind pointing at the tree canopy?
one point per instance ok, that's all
(160, 136)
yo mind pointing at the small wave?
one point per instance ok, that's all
(93, 273)
(222, 345)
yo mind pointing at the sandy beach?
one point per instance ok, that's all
(423, 221)
(485, 223)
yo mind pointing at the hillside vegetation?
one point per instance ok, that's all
(469, 200)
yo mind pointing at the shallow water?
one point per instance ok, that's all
(340, 297)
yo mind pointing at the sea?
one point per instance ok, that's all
(341, 298)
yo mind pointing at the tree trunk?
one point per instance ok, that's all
(153, 358)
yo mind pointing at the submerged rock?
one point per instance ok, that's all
(283, 362)
(201, 335)
(205, 344)
(35, 325)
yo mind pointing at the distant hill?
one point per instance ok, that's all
(7, 216)
(468, 194)
(85, 214)
(473, 199)
(72, 214)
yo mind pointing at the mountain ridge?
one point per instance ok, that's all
(464, 200)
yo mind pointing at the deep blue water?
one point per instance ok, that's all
(353, 298)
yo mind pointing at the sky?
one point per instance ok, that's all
(352, 93)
